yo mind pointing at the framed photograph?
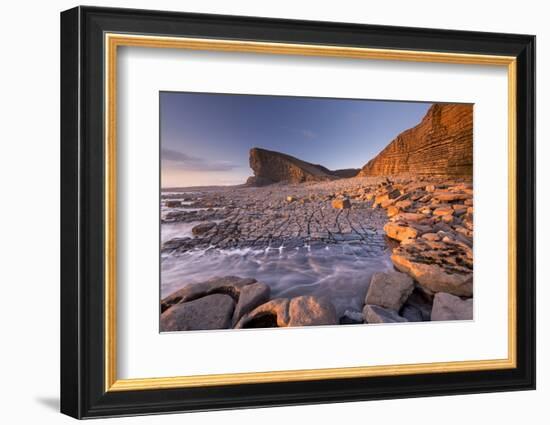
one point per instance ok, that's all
(261, 212)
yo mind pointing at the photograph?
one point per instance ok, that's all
(297, 188)
(286, 211)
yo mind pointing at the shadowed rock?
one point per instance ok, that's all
(377, 314)
(389, 290)
(173, 204)
(419, 301)
(202, 228)
(351, 317)
(209, 312)
(411, 313)
(450, 307)
(251, 296)
(311, 311)
(230, 285)
(271, 314)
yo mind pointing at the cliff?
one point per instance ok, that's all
(271, 167)
(442, 144)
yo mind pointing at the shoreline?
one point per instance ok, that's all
(427, 220)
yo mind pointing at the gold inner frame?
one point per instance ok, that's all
(113, 41)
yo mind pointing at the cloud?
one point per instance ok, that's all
(193, 163)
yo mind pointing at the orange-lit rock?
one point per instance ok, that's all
(442, 144)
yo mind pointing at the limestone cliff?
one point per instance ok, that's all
(442, 144)
(270, 167)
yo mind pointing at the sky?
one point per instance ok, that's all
(205, 137)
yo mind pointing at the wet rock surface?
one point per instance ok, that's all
(278, 215)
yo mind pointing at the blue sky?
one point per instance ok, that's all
(205, 138)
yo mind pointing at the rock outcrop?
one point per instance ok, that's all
(389, 290)
(311, 311)
(228, 285)
(442, 144)
(273, 314)
(450, 307)
(250, 297)
(377, 314)
(206, 313)
(272, 167)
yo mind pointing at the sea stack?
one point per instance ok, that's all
(273, 167)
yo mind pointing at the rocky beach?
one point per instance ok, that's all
(302, 245)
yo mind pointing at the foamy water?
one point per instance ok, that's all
(341, 272)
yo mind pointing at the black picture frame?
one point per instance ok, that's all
(83, 392)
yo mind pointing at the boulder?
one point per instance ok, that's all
(443, 211)
(387, 198)
(420, 300)
(250, 297)
(460, 209)
(404, 204)
(210, 312)
(450, 196)
(389, 290)
(341, 204)
(450, 307)
(202, 228)
(351, 317)
(309, 310)
(378, 199)
(377, 314)
(230, 285)
(392, 211)
(394, 193)
(448, 218)
(387, 203)
(173, 204)
(410, 216)
(431, 237)
(400, 231)
(412, 313)
(434, 276)
(272, 314)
